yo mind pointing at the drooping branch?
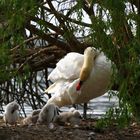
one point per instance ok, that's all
(67, 18)
(71, 39)
(37, 59)
(48, 25)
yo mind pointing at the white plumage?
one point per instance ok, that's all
(71, 69)
(11, 113)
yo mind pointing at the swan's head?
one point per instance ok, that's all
(90, 51)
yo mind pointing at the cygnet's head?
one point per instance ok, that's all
(15, 108)
(72, 109)
(35, 112)
(76, 118)
(30, 120)
(77, 114)
(11, 107)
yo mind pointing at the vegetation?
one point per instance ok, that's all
(34, 35)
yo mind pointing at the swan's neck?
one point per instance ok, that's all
(86, 69)
(87, 66)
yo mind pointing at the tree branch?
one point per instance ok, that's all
(24, 42)
(48, 38)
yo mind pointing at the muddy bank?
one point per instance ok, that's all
(86, 131)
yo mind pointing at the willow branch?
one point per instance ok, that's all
(48, 25)
(72, 40)
(48, 38)
(68, 18)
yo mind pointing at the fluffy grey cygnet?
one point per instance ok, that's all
(48, 114)
(11, 113)
(71, 117)
(31, 119)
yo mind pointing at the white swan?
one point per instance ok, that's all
(79, 78)
(11, 114)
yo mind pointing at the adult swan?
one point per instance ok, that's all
(79, 78)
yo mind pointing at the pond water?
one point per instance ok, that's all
(96, 107)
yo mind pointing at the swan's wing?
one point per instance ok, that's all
(65, 92)
(68, 67)
(56, 87)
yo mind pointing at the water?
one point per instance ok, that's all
(96, 107)
(101, 104)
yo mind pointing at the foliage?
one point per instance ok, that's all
(57, 27)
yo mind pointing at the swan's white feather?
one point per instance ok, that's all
(68, 67)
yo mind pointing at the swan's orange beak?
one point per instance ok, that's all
(78, 87)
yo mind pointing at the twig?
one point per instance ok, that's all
(32, 56)
(25, 41)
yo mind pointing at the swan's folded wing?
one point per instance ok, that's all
(68, 67)
(72, 92)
